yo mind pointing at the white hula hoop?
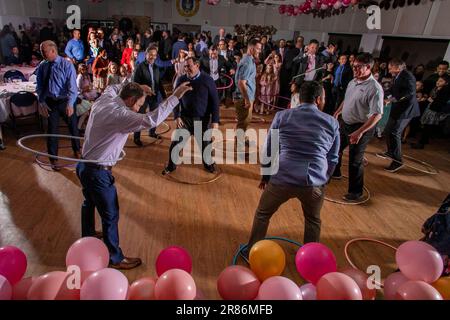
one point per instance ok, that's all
(39, 153)
(349, 203)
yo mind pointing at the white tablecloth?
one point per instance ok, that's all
(27, 71)
(6, 91)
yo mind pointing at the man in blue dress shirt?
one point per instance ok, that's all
(57, 92)
(75, 48)
(308, 153)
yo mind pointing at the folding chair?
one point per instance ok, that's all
(24, 106)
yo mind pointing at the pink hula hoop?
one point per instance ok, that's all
(347, 256)
(274, 106)
(230, 85)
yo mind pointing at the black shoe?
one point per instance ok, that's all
(384, 155)
(353, 197)
(337, 175)
(169, 169)
(138, 142)
(2, 146)
(54, 165)
(394, 166)
(210, 168)
(154, 136)
(417, 145)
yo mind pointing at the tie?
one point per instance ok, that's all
(152, 77)
(48, 75)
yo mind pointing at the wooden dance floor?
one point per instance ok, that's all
(40, 210)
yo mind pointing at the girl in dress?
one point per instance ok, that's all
(100, 70)
(179, 65)
(295, 95)
(127, 52)
(85, 88)
(133, 59)
(113, 74)
(267, 85)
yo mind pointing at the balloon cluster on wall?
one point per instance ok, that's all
(213, 2)
(320, 8)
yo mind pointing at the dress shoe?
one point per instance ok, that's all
(138, 142)
(127, 264)
(353, 197)
(98, 235)
(394, 166)
(2, 146)
(169, 169)
(210, 168)
(155, 136)
(337, 175)
(54, 165)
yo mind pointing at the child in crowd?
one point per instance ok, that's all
(268, 85)
(295, 95)
(113, 74)
(84, 84)
(100, 70)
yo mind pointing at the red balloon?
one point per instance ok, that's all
(173, 258)
(21, 288)
(313, 260)
(13, 264)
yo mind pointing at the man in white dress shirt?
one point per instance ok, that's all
(114, 116)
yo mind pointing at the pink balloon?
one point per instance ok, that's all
(309, 291)
(89, 254)
(337, 286)
(173, 258)
(5, 289)
(361, 279)
(337, 5)
(13, 264)
(21, 288)
(105, 284)
(346, 3)
(418, 260)
(417, 290)
(279, 288)
(313, 260)
(142, 289)
(52, 286)
(392, 283)
(238, 283)
(175, 284)
(324, 7)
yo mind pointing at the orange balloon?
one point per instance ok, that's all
(361, 280)
(142, 289)
(443, 286)
(267, 259)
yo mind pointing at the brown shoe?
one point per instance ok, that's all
(127, 264)
(98, 235)
(54, 165)
(76, 155)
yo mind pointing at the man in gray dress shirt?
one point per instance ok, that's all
(361, 110)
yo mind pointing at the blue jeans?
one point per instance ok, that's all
(99, 192)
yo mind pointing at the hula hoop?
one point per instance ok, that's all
(272, 105)
(228, 86)
(244, 246)
(365, 163)
(48, 164)
(216, 177)
(347, 202)
(432, 170)
(347, 256)
(155, 140)
(44, 154)
(236, 151)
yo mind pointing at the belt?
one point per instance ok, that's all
(98, 167)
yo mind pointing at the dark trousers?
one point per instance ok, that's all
(189, 126)
(58, 109)
(338, 96)
(152, 104)
(99, 192)
(393, 133)
(356, 156)
(274, 196)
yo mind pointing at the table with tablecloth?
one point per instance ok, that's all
(27, 71)
(6, 91)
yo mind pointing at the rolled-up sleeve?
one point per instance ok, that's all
(132, 122)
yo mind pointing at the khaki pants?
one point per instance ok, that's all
(244, 115)
(274, 196)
